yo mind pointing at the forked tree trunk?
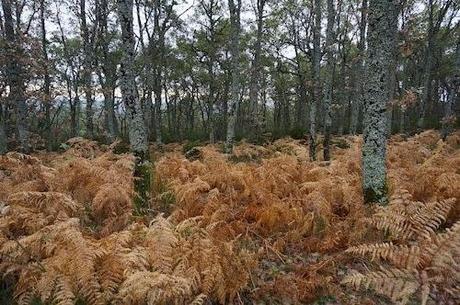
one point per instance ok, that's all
(379, 56)
(137, 131)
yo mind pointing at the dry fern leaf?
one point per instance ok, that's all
(402, 256)
(407, 219)
(399, 285)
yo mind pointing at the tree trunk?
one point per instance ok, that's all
(137, 131)
(453, 91)
(255, 72)
(358, 89)
(108, 81)
(15, 77)
(47, 79)
(158, 119)
(87, 68)
(235, 86)
(3, 138)
(330, 53)
(316, 78)
(380, 54)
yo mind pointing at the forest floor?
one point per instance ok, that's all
(262, 226)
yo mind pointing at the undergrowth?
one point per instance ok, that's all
(264, 225)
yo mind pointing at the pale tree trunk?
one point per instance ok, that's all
(358, 88)
(235, 10)
(316, 78)
(255, 71)
(330, 54)
(87, 68)
(15, 78)
(47, 79)
(137, 131)
(379, 56)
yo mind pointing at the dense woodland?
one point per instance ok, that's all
(229, 152)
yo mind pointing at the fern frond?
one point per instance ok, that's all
(402, 256)
(399, 285)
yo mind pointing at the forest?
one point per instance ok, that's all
(265, 152)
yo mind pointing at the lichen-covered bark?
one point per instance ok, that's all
(137, 131)
(235, 86)
(316, 78)
(376, 95)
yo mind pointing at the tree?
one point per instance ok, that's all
(235, 10)
(137, 130)
(255, 68)
(316, 77)
(15, 75)
(358, 85)
(434, 25)
(87, 68)
(330, 54)
(378, 57)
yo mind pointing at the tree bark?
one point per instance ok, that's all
(108, 81)
(379, 56)
(15, 77)
(47, 79)
(3, 138)
(87, 69)
(137, 131)
(235, 10)
(255, 71)
(316, 78)
(358, 89)
(330, 54)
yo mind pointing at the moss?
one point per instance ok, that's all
(142, 184)
(190, 145)
(122, 147)
(379, 196)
